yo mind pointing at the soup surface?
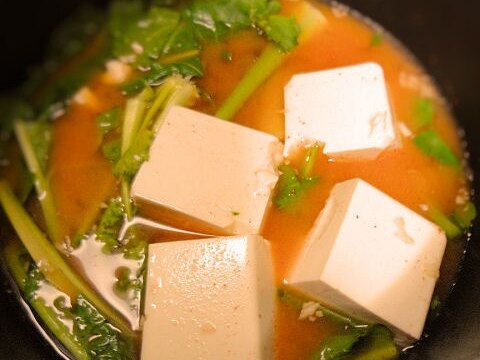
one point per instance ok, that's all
(83, 180)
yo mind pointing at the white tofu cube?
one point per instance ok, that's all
(215, 174)
(347, 109)
(209, 299)
(373, 258)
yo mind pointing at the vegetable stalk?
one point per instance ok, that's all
(42, 186)
(52, 265)
(268, 62)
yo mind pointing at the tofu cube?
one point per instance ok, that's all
(208, 175)
(372, 258)
(347, 109)
(209, 299)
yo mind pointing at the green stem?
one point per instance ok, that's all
(309, 162)
(270, 59)
(49, 317)
(126, 199)
(296, 301)
(132, 120)
(52, 265)
(42, 186)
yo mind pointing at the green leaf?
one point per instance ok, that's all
(188, 67)
(423, 112)
(110, 224)
(24, 270)
(431, 144)
(58, 272)
(337, 347)
(112, 150)
(291, 186)
(373, 342)
(283, 31)
(34, 139)
(296, 301)
(100, 339)
(108, 120)
(143, 36)
(378, 344)
(32, 282)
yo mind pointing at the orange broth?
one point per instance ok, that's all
(82, 179)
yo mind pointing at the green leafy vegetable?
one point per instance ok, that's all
(29, 281)
(144, 114)
(455, 224)
(218, 19)
(110, 224)
(374, 342)
(357, 340)
(100, 339)
(269, 61)
(423, 112)
(431, 144)
(52, 265)
(32, 281)
(34, 139)
(296, 301)
(452, 231)
(112, 150)
(292, 186)
(108, 120)
(161, 41)
(465, 215)
(339, 346)
(377, 345)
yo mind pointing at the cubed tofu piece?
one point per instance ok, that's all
(347, 109)
(208, 175)
(209, 299)
(371, 257)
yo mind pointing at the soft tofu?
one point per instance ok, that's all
(347, 109)
(208, 174)
(209, 299)
(373, 258)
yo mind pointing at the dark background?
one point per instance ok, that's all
(443, 36)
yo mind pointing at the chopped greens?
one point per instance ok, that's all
(91, 336)
(452, 231)
(25, 272)
(108, 120)
(270, 59)
(292, 186)
(161, 41)
(99, 338)
(112, 150)
(465, 215)
(143, 115)
(423, 112)
(356, 340)
(110, 224)
(52, 265)
(454, 225)
(431, 144)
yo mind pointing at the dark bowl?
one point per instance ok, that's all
(445, 39)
